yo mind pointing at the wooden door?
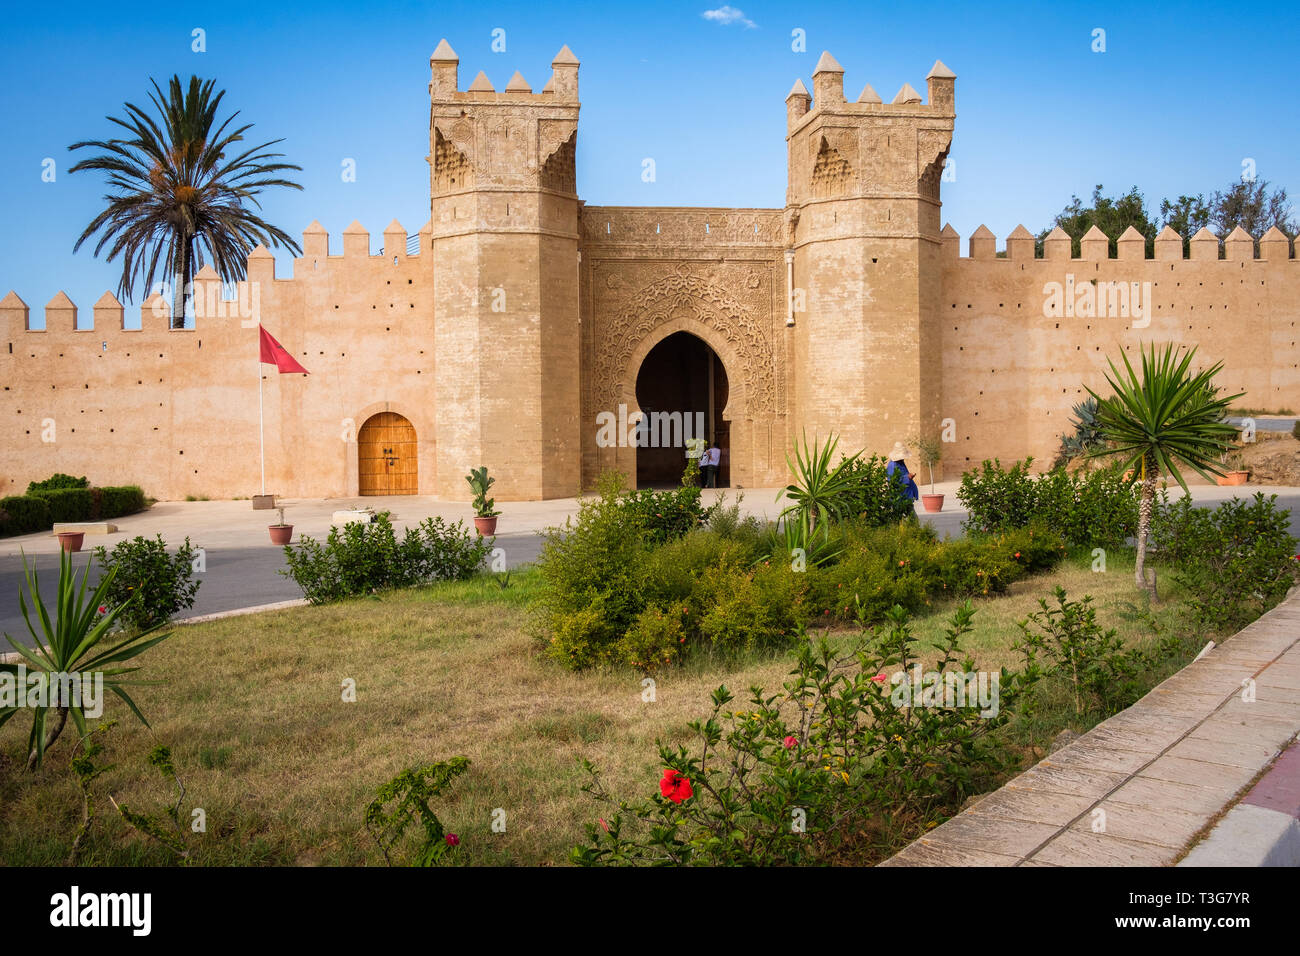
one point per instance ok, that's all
(387, 462)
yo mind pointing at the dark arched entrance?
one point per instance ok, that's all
(681, 387)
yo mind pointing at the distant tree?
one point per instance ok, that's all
(1253, 207)
(1112, 215)
(182, 184)
(1186, 215)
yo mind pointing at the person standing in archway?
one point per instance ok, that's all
(709, 467)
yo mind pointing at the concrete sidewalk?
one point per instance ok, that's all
(1139, 788)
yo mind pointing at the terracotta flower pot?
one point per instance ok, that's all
(932, 502)
(280, 533)
(486, 527)
(71, 540)
(1233, 478)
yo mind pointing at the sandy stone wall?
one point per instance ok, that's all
(176, 411)
(1011, 372)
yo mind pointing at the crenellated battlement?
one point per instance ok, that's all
(828, 96)
(1094, 246)
(562, 86)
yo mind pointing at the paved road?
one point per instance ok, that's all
(1267, 424)
(232, 578)
(241, 575)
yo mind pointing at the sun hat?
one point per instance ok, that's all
(898, 452)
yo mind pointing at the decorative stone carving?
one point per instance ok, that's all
(740, 323)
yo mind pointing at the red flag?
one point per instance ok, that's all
(273, 353)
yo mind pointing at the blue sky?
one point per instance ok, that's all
(1182, 94)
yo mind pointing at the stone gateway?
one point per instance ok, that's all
(518, 322)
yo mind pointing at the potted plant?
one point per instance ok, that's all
(1236, 474)
(71, 540)
(281, 533)
(929, 450)
(485, 515)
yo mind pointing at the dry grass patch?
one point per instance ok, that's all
(252, 708)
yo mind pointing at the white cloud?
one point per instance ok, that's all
(727, 15)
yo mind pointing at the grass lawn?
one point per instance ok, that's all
(284, 768)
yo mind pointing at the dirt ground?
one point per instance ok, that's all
(1273, 459)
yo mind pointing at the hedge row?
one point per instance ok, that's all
(41, 510)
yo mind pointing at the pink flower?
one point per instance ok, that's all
(603, 824)
(453, 840)
(789, 742)
(880, 678)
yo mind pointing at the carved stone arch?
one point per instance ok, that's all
(690, 303)
(731, 363)
(683, 301)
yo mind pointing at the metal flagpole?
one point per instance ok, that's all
(261, 434)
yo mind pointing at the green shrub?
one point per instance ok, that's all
(361, 558)
(69, 504)
(656, 638)
(907, 565)
(26, 514)
(666, 515)
(1236, 561)
(834, 768)
(57, 482)
(749, 610)
(593, 570)
(1295, 430)
(156, 584)
(1090, 509)
(116, 501)
(404, 801)
(874, 497)
(1098, 674)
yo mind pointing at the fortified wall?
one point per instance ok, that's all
(517, 315)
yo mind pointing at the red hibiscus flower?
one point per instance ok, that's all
(675, 787)
(880, 678)
(102, 609)
(452, 840)
(790, 742)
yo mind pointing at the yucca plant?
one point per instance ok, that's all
(69, 644)
(1167, 418)
(821, 491)
(183, 184)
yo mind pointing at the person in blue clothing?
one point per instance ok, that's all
(897, 468)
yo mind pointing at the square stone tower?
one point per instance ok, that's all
(862, 220)
(505, 247)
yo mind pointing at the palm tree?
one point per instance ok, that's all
(182, 188)
(1168, 417)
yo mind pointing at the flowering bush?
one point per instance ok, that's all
(152, 584)
(1236, 560)
(830, 769)
(405, 800)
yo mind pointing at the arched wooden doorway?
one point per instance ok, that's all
(387, 463)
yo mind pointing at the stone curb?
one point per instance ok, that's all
(1141, 787)
(201, 618)
(1264, 828)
